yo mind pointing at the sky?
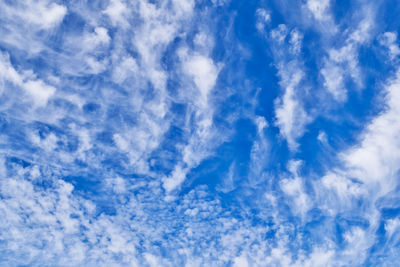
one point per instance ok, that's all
(199, 133)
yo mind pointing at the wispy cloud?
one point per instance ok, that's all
(291, 117)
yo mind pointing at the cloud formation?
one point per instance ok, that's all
(199, 133)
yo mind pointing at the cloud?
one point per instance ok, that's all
(263, 19)
(42, 14)
(375, 160)
(342, 63)
(295, 41)
(367, 173)
(319, 8)
(202, 73)
(294, 189)
(37, 89)
(116, 10)
(388, 39)
(291, 117)
(22, 23)
(279, 34)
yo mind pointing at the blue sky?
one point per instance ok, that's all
(199, 133)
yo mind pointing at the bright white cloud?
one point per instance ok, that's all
(37, 89)
(342, 63)
(376, 159)
(334, 81)
(44, 14)
(368, 172)
(22, 22)
(177, 177)
(294, 189)
(291, 116)
(204, 73)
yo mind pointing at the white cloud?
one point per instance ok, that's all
(204, 73)
(116, 10)
(295, 41)
(391, 227)
(336, 193)
(228, 182)
(279, 34)
(7, 71)
(334, 81)
(176, 178)
(342, 63)
(291, 117)
(263, 19)
(323, 138)
(320, 257)
(388, 39)
(367, 173)
(127, 68)
(98, 37)
(37, 89)
(22, 22)
(375, 160)
(357, 245)
(44, 14)
(240, 262)
(259, 154)
(319, 9)
(294, 189)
